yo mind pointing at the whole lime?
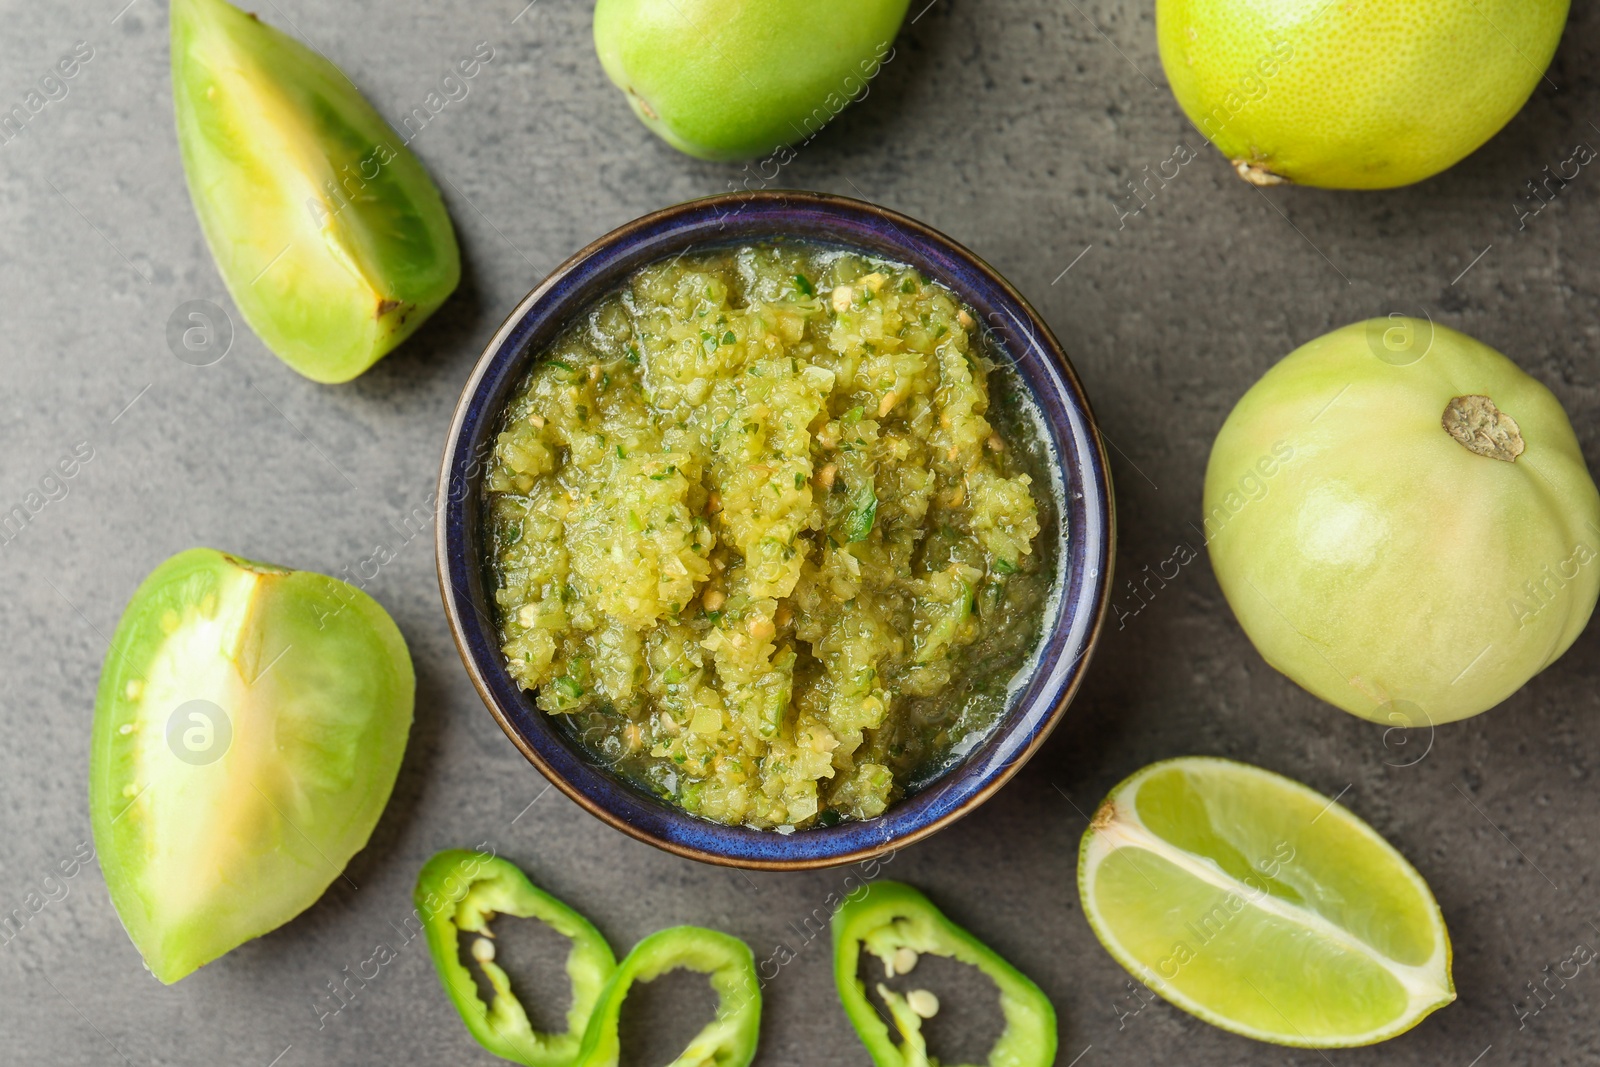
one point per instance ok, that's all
(1403, 522)
(735, 81)
(1344, 95)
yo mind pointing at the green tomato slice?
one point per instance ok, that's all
(332, 239)
(460, 891)
(728, 1040)
(248, 729)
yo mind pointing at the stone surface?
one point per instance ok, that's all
(1013, 125)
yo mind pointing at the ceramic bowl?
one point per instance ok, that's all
(1086, 517)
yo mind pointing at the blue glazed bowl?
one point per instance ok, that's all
(1086, 517)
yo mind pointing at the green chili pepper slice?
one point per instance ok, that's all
(460, 890)
(897, 923)
(728, 1040)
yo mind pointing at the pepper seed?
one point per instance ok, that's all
(923, 1003)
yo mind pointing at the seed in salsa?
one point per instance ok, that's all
(756, 540)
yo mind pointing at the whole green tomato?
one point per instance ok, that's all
(1403, 522)
(735, 81)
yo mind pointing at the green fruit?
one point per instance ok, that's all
(1262, 907)
(247, 732)
(1363, 95)
(1403, 522)
(736, 81)
(330, 236)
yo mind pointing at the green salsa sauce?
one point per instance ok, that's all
(772, 532)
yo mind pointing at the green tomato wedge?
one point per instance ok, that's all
(331, 238)
(1262, 907)
(735, 81)
(248, 729)
(1403, 522)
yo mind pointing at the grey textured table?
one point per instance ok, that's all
(1012, 125)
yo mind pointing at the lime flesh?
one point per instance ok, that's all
(1262, 907)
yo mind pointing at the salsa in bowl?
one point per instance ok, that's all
(775, 529)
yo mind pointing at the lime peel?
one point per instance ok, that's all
(1117, 828)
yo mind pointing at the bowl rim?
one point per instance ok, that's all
(587, 275)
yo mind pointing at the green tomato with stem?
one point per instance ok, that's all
(248, 729)
(1403, 522)
(736, 81)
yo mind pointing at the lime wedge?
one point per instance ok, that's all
(1262, 907)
